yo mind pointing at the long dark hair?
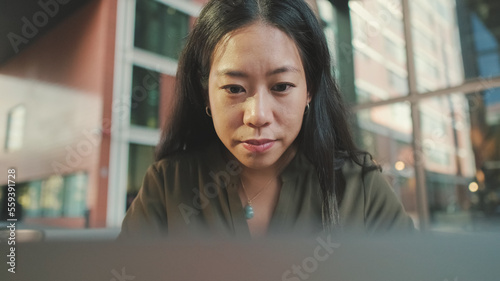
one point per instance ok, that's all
(324, 138)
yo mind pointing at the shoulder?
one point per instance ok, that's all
(182, 171)
(358, 172)
(163, 176)
(370, 195)
(179, 161)
(362, 164)
(209, 155)
(175, 172)
(365, 178)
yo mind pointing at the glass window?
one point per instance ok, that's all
(75, 187)
(52, 196)
(488, 63)
(423, 39)
(397, 82)
(377, 47)
(386, 132)
(30, 199)
(362, 95)
(461, 156)
(55, 197)
(145, 97)
(459, 43)
(393, 50)
(15, 128)
(452, 41)
(140, 158)
(327, 14)
(436, 45)
(425, 67)
(392, 11)
(160, 28)
(151, 97)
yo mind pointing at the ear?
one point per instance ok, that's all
(309, 97)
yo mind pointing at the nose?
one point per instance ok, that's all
(258, 111)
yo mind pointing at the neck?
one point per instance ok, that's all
(270, 175)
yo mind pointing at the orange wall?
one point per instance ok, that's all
(66, 73)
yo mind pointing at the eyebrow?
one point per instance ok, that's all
(237, 73)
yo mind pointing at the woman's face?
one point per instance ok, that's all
(257, 94)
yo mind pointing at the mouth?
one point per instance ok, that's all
(258, 142)
(258, 145)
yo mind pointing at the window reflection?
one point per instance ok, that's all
(56, 196)
(379, 49)
(159, 28)
(145, 97)
(151, 97)
(52, 196)
(461, 149)
(15, 128)
(140, 158)
(436, 44)
(31, 199)
(386, 132)
(75, 195)
(454, 40)
(478, 25)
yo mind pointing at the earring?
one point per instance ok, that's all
(307, 109)
(208, 111)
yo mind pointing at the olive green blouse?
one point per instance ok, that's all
(195, 193)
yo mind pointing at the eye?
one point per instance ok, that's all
(283, 87)
(233, 89)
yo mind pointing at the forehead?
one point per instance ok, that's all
(254, 41)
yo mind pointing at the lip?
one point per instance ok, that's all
(258, 145)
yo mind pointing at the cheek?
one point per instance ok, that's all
(293, 111)
(226, 118)
(295, 120)
(296, 117)
(291, 118)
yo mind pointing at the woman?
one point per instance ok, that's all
(259, 141)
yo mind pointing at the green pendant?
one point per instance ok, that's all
(248, 212)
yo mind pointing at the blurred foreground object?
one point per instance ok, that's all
(439, 257)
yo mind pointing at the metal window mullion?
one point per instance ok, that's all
(471, 86)
(144, 136)
(421, 190)
(153, 61)
(118, 164)
(190, 8)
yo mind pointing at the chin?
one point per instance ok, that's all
(257, 165)
(258, 162)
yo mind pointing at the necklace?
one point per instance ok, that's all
(248, 208)
(249, 213)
